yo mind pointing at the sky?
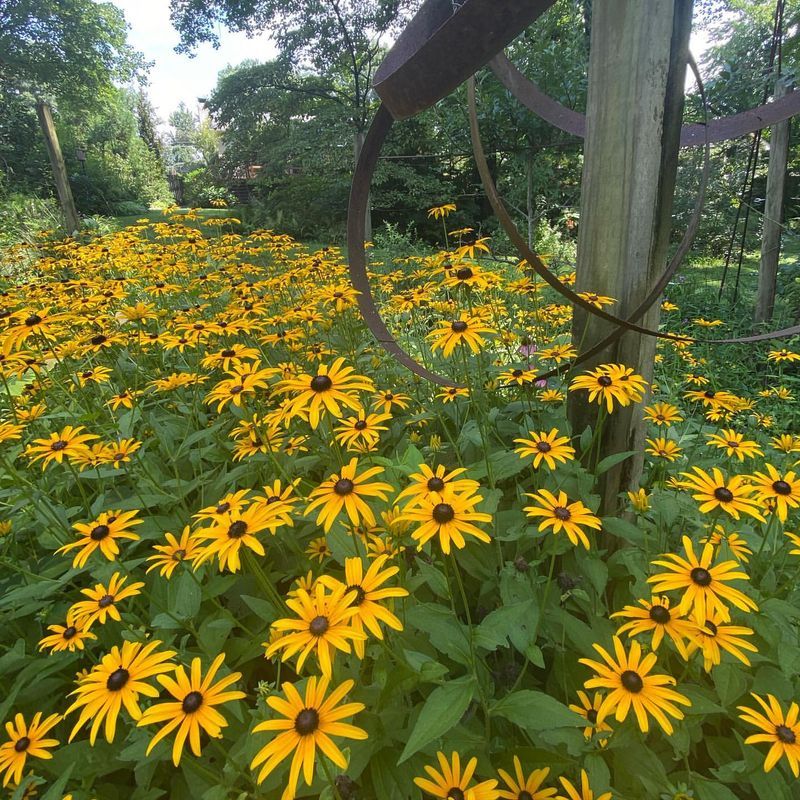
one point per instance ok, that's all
(176, 77)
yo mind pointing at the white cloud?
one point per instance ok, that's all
(176, 77)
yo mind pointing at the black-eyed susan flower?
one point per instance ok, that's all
(713, 636)
(602, 387)
(231, 503)
(449, 781)
(69, 636)
(245, 379)
(344, 491)
(436, 485)
(779, 356)
(226, 536)
(705, 584)
(102, 602)
(734, 444)
(714, 491)
(552, 396)
(26, 740)
(781, 491)
(640, 500)
(656, 617)
(331, 388)
(193, 709)
(449, 520)
(68, 442)
(363, 428)
(558, 353)
(450, 393)
(175, 551)
(786, 443)
(558, 513)
(468, 331)
(661, 447)
(548, 447)
(525, 787)
(319, 549)
(781, 730)
(587, 708)
(583, 791)
(369, 596)
(386, 401)
(323, 626)
(306, 723)
(117, 681)
(630, 685)
(102, 534)
(735, 542)
(662, 414)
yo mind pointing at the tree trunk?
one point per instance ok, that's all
(72, 222)
(637, 68)
(357, 145)
(773, 211)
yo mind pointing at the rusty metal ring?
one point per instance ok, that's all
(718, 129)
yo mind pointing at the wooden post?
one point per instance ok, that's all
(637, 68)
(773, 211)
(72, 222)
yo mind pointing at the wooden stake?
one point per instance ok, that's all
(773, 211)
(637, 68)
(72, 222)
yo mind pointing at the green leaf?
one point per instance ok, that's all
(623, 529)
(729, 682)
(712, 790)
(515, 622)
(535, 711)
(612, 461)
(442, 710)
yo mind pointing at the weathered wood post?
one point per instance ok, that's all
(72, 222)
(637, 68)
(773, 211)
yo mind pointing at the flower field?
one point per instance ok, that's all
(247, 555)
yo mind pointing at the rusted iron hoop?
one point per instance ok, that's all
(718, 129)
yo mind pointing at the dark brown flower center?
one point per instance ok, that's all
(723, 494)
(307, 721)
(544, 447)
(236, 389)
(785, 734)
(106, 600)
(561, 513)
(99, 532)
(517, 373)
(435, 484)
(443, 512)
(711, 628)
(22, 744)
(464, 274)
(191, 702)
(223, 507)
(604, 380)
(591, 715)
(321, 383)
(69, 632)
(361, 595)
(117, 679)
(702, 577)
(98, 339)
(455, 794)
(660, 614)
(60, 444)
(237, 529)
(228, 353)
(318, 626)
(360, 425)
(459, 326)
(632, 681)
(33, 320)
(782, 487)
(343, 486)
(524, 795)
